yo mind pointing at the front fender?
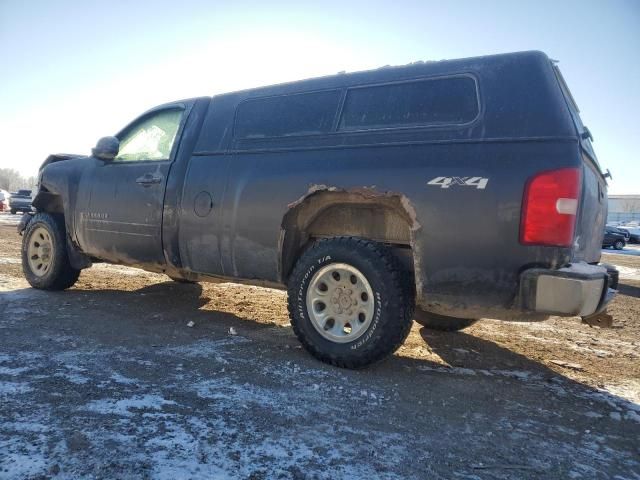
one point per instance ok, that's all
(58, 186)
(58, 194)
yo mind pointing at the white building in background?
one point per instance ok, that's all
(624, 208)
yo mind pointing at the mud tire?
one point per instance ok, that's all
(61, 275)
(394, 301)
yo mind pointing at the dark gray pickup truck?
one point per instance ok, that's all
(20, 201)
(442, 192)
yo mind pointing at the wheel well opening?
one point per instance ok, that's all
(382, 217)
(46, 201)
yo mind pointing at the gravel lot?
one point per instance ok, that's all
(106, 380)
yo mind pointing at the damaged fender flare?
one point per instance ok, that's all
(24, 222)
(319, 199)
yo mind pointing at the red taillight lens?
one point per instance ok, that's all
(549, 208)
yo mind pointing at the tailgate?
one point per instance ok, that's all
(15, 200)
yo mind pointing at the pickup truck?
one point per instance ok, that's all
(20, 201)
(349, 191)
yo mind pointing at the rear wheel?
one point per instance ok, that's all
(45, 262)
(618, 245)
(442, 322)
(348, 303)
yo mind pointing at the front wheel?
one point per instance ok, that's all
(45, 262)
(619, 245)
(442, 322)
(348, 301)
(13, 211)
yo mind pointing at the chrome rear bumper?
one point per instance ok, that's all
(580, 289)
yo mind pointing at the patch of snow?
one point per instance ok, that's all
(517, 374)
(7, 219)
(633, 416)
(22, 465)
(14, 388)
(73, 377)
(620, 407)
(590, 414)
(242, 395)
(13, 372)
(628, 273)
(25, 426)
(10, 261)
(118, 378)
(218, 449)
(125, 406)
(205, 347)
(630, 249)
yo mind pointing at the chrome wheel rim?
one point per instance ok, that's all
(340, 302)
(40, 252)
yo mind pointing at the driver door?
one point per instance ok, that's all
(123, 219)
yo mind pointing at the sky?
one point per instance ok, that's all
(74, 71)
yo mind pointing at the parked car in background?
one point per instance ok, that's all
(621, 231)
(613, 239)
(4, 200)
(20, 201)
(633, 231)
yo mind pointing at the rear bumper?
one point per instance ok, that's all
(577, 290)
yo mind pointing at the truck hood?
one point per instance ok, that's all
(59, 157)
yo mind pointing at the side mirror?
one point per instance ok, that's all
(106, 149)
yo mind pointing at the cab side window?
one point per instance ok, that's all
(427, 102)
(150, 139)
(287, 115)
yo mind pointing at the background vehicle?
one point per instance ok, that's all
(620, 231)
(4, 200)
(613, 239)
(633, 231)
(343, 189)
(20, 201)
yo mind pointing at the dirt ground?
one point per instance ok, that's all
(107, 380)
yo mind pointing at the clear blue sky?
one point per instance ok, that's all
(73, 71)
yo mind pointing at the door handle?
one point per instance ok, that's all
(148, 179)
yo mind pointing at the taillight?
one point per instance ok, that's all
(549, 208)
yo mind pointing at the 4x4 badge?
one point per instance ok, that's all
(445, 182)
